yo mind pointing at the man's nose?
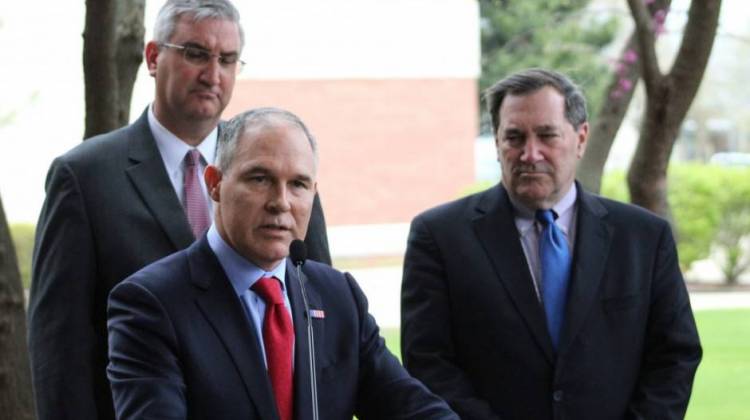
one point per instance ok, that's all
(531, 150)
(279, 200)
(211, 72)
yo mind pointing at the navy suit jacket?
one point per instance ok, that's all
(110, 210)
(474, 331)
(181, 346)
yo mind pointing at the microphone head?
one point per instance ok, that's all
(297, 252)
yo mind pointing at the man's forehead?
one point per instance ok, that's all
(217, 30)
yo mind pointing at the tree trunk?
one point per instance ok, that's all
(607, 123)
(668, 98)
(16, 400)
(112, 53)
(609, 118)
(99, 69)
(130, 33)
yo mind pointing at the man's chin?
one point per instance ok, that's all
(533, 198)
(205, 111)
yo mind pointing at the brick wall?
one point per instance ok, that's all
(389, 148)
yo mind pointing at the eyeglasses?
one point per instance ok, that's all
(200, 57)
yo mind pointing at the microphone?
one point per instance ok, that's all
(298, 255)
(298, 252)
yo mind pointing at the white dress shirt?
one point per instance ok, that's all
(173, 150)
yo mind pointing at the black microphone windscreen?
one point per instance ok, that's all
(298, 252)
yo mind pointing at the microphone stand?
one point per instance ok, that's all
(311, 342)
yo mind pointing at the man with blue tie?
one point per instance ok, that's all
(535, 299)
(217, 331)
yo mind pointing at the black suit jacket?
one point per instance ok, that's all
(110, 210)
(475, 333)
(182, 346)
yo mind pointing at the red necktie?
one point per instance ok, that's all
(195, 204)
(278, 337)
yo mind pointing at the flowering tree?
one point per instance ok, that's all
(615, 104)
(668, 96)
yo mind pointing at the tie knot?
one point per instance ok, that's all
(192, 157)
(269, 289)
(546, 217)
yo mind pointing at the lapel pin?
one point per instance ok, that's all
(317, 313)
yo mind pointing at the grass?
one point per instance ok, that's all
(722, 384)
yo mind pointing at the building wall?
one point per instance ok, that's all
(389, 148)
(387, 86)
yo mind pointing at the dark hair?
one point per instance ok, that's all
(529, 81)
(258, 117)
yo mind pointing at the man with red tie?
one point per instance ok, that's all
(124, 199)
(217, 331)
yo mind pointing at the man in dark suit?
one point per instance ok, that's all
(537, 300)
(199, 335)
(117, 202)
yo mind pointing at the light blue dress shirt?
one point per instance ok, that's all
(529, 230)
(243, 274)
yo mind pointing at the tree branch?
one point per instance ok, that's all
(695, 49)
(650, 72)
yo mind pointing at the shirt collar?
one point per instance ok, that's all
(241, 272)
(173, 149)
(524, 217)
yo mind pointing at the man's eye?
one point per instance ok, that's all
(300, 184)
(258, 179)
(228, 59)
(197, 55)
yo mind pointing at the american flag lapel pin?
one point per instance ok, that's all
(317, 313)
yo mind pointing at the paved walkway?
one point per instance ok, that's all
(383, 289)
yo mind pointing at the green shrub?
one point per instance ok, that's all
(700, 197)
(23, 241)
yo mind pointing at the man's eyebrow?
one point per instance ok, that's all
(202, 48)
(303, 178)
(546, 128)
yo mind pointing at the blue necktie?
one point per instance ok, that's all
(554, 257)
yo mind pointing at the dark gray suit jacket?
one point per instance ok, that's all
(110, 210)
(475, 333)
(182, 346)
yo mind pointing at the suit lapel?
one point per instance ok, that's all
(221, 307)
(495, 227)
(592, 244)
(302, 392)
(150, 179)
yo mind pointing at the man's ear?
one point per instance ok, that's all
(150, 53)
(582, 137)
(212, 177)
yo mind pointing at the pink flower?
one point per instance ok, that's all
(624, 84)
(630, 56)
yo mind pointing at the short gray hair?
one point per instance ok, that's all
(531, 80)
(258, 117)
(199, 10)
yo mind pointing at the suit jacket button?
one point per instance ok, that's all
(557, 396)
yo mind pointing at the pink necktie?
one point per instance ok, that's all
(278, 338)
(195, 204)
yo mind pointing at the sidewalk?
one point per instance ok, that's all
(383, 289)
